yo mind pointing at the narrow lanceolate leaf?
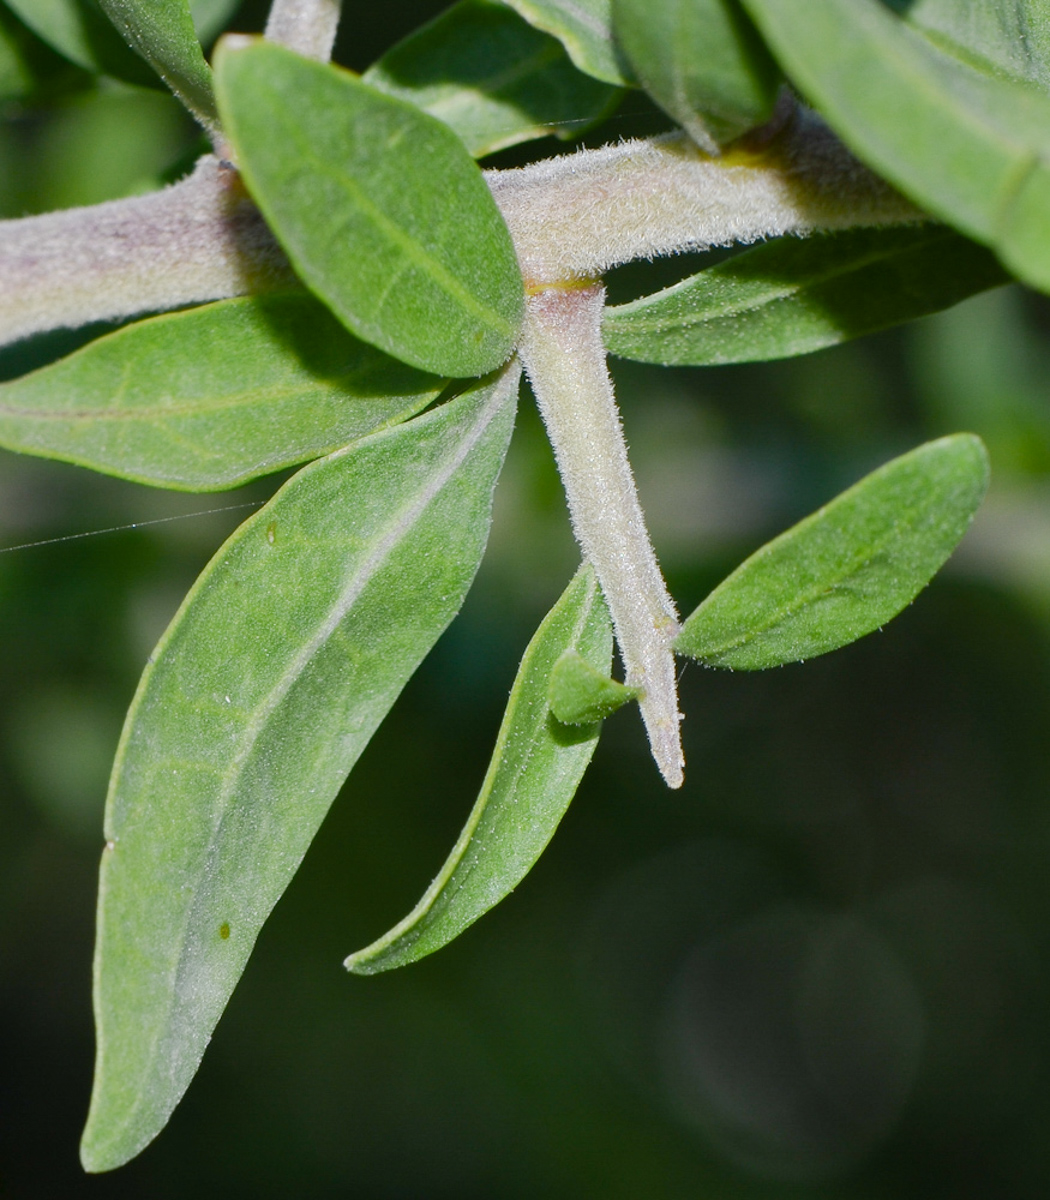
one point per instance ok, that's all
(702, 62)
(584, 28)
(81, 33)
(162, 31)
(970, 145)
(378, 205)
(210, 398)
(793, 296)
(280, 664)
(492, 78)
(535, 771)
(849, 567)
(580, 694)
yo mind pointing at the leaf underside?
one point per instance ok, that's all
(163, 33)
(703, 63)
(796, 295)
(280, 664)
(212, 397)
(584, 27)
(847, 569)
(964, 140)
(534, 773)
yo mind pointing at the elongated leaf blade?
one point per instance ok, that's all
(210, 398)
(82, 34)
(847, 569)
(580, 694)
(379, 206)
(584, 28)
(535, 771)
(1009, 36)
(492, 78)
(280, 664)
(970, 145)
(162, 31)
(703, 63)
(794, 296)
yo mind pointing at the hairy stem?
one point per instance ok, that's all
(200, 239)
(571, 218)
(307, 26)
(575, 216)
(563, 354)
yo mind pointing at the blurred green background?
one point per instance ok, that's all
(821, 970)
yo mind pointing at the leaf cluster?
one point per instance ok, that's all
(389, 367)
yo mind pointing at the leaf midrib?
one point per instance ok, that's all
(641, 324)
(412, 249)
(407, 516)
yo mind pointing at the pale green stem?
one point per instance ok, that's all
(571, 217)
(575, 216)
(565, 360)
(200, 239)
(306, 26)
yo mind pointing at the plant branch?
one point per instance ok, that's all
(571, 218)
(200, 239)
(565, 360)
(575, 216)
(307, 26)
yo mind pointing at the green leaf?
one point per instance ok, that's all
(535, 770)
(380, 208)
(580, 694)
(970, 145)
(1010, 36)
(210, 17)
(81, 33)
(492, 78)
(848, 568)
(702, 62)
(584, 28)
(20, 53)
(277, 669)
(792, 296)
(210, 398)
(162, 31)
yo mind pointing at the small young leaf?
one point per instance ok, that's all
(970, 145)
(81, 33)
(162, 31)
(535, 770)
(492, 78)
(849, 567)
(792, 296)
(702, 62)
(210, 398)
(270, 681)
(580, 694)
(379, 206)
(584, 28)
